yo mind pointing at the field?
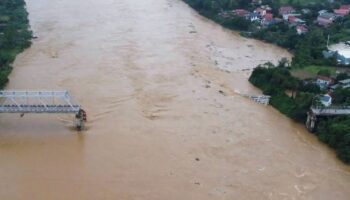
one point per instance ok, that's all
(311, 71)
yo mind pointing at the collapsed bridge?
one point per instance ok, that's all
(16, 101)
(316, 112)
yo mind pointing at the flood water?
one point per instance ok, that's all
(149, 74)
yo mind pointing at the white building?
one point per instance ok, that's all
(343, 56)
(323, 81)
(326, 100)
(342, 53)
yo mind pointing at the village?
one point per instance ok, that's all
(264, 16)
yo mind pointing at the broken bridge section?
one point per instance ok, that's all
(316, 112)
(16, 101)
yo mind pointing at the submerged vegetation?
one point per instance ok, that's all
(15, 34)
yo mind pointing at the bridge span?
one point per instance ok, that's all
(315, 112)
(19, 101)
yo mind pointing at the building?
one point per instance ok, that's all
(326, 100)
(344, 83)
(287, 16)
(294, 21)
(262, 12)
(268, 20)
(341, 12)
(324, 81)
(322, 12)
(343, 56)
(326, 19)
(254, 17)
(285, 10)
(302, 29)
(341, 84)
(340, 51)
(345, 7)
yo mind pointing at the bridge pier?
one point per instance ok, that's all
(80, 119)
(311, 121)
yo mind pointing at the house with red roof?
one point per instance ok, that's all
(262, 12)
(302, 29)
(324, 81)
(345, 7)
(268, 20)
(343, 10)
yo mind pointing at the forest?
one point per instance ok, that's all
(15, 34)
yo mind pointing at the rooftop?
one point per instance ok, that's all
(325, 98)
(346, 81)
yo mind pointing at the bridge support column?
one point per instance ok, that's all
(311, 121)
(80, 119)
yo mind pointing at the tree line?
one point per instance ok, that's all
(15, 34)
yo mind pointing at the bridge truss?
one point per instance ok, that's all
(15, 101)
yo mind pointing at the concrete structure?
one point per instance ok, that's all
(262, 99)
(14, 101)
(317, 112)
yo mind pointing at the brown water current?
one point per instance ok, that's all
(148, 73)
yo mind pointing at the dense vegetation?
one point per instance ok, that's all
(277, 80)
(336, 133)
(307, 48)
(15, 34)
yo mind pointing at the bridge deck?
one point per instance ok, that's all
(39, 109)
(331, 111)
(37, 102)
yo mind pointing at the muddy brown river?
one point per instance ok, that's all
(149, 74)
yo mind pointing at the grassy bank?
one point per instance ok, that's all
(15, 35)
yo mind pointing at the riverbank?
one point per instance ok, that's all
(15, 35)
(275, 81)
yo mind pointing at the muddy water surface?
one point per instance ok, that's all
(149, 73)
